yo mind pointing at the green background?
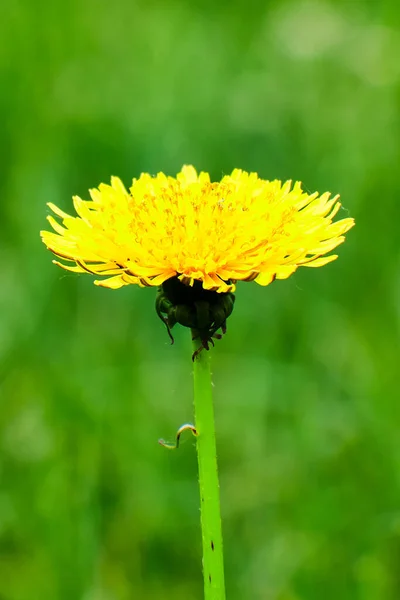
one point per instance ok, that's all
(306, 381)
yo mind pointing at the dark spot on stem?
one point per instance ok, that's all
(212, 545)
(209, 578)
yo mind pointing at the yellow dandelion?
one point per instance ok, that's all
(204, 234)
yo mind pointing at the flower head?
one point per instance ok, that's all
(242, 228)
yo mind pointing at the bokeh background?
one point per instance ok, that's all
(306, 381)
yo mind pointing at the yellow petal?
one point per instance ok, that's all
(57, 211)
(56, 226)
(114, 283)
(285, 272)
(72, 268)
(320, 262)
(265, 278)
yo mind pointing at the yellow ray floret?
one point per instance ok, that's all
(241, 228)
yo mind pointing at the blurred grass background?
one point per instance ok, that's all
(306, 381)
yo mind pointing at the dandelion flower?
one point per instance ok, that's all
(198, 235)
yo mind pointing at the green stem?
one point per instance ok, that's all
(213, 560)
